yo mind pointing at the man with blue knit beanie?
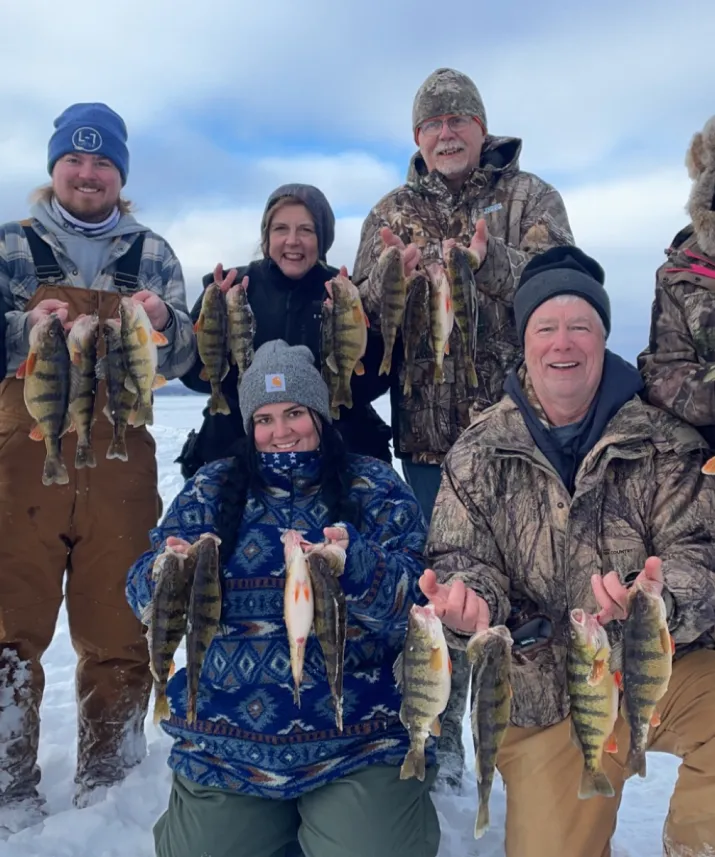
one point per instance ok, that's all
(77, 254)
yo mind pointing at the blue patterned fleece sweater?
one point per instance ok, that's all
(250, 737)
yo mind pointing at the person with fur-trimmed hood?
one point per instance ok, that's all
(677, 366)
(463, 184)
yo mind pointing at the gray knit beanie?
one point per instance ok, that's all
(282, 373)
(317, 204)
(448, 92)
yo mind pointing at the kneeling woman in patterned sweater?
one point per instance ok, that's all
(255, 774)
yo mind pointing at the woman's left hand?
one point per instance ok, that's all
(337, 536)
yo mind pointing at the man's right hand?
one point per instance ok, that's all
(47, 307)
(459, 608)
(412, 252)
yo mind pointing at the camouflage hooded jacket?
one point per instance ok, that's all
(524, 216)
(681, 350)
(505, 524)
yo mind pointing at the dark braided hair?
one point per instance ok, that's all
(244, 477)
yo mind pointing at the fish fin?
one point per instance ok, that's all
(218, 404)
(84, 457)
(331, 363)
(143, 416)
(655, 719)
(55, 471)
(296, 694)
(75, 381)
(67, 426)
(435, 660)
(446, 348)
(100, 369)
(118, 449)
(598, 672)
(367, 320)
(358, 314)
(596, 783)
(575, 740)
(198, 324)
(618, 676)
(36, 433)
(27, 367)
(159, 381)
(672, 645)
(708, 468)
(635, 762)
(449, 664)
(306, 592)
(108, 413)
(666, 641)
(436, 728)
(398, 670)
(359, 368)
(481, 825)
(142, 336)
(204, 374)
(611, 745)
(172, 668)
(413, 766)
(158, 338)
(161, 708)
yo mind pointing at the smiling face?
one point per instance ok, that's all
(284, 427)
(564, 348)
(292, 240)
(88, 186)
(452, 145)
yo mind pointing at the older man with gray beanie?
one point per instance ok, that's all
(463, 184)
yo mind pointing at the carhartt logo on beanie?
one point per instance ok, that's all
(560, 271)
(282, 373)
(93, 129)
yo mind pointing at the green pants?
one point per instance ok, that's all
(371, 813)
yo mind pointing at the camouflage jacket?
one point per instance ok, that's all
(505, 524)
(524, 216)
(681, 351)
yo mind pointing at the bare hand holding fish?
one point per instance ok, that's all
(612, 595)
(413, 254)
(155, 308)
(460, 608)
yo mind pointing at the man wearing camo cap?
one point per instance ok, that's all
(464, 184)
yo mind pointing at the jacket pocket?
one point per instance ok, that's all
(538, 679)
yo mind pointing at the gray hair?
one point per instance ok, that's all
(571, 299)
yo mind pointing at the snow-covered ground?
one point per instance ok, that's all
(120, 825)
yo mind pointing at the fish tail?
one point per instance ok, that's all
(413, 765)
(635, 762)
(54, 471)
(218, 403)
(386, 364)
(296, 693)
(161, 707)
(482, 823)
(594, 783)
(84, 457)
(118, 448)
(143, 416)
(339, 714)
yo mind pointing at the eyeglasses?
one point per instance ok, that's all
(433, 127)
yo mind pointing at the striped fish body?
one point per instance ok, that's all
(166, 623)
(120, 399)
(593, 693)
(647, 666)
(82, 345)
(241, 328)
(203, 616)
(489, 652)
(464, 303)
(139, 341)
(327, 347)
(441, 317)
(423, 674)
(298, 606)
(46, 391)
(390, 273)
(330, 623)
(415, 325)
(213, 345)
(349, 339)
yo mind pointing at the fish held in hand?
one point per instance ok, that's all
(47, 391)
(139, 342)
(415, 325)
(441, 317)
(82, 346)
(203, 617)
(593, 693)
(241, 327)
(121, 400)
(390, 273)
(348, 338)
(298, 605)
(489, 652)
(423, 672)
(647, 666)
(460, 262)
(330, 623)
(212, 341)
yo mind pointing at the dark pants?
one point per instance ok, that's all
(423, 479)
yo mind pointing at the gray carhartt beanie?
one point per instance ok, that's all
(448, 92)
(282, 373)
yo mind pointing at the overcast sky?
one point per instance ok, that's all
(225, 100)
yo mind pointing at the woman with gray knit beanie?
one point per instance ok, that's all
(286, 290)
(256, 774)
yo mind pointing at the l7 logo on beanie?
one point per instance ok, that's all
(87, 140)
(275, 383)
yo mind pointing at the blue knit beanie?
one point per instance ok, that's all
(93, 129)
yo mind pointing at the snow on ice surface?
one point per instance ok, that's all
(120, 824)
